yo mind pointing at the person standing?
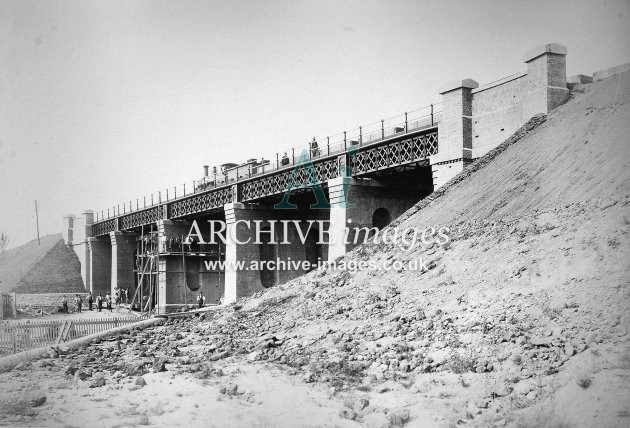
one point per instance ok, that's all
(90, 301)
(285, 159)
(200, 300)
(108, 302)
(126, 296)
(99, 302)
(64, 303)
(77, 302)
(314, 148)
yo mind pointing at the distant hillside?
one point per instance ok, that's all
(45, 268)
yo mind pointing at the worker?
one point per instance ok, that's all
(78, 302)
(285, 159)
(99, 302)
(314, 148)
(200, 300)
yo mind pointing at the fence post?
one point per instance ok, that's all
(431, 114)
(14, 305)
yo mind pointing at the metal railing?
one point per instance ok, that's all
(17, 336)
(422, 118)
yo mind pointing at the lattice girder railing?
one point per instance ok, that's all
(104, 227)
(293, 178)
(203, 202)
(361, 160)
(396, 153)
(140, 218)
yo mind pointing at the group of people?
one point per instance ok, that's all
(313, 149)
(110, 300)
(78, 302)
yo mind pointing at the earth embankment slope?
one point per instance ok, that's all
(46, 267)
(521, 320)
(529, 299)
(580, 154)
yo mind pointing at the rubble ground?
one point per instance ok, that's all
(521, 319)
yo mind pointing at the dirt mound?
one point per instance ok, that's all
(520, 320)
(50, 267)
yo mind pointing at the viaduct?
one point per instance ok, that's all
(369, 176)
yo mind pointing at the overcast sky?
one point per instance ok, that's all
(105, 101)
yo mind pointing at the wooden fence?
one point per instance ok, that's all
(21, 336)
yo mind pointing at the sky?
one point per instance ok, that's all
(102, 102)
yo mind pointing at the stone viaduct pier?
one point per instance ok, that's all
(365, 178)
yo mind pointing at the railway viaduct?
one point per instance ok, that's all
(367, 177)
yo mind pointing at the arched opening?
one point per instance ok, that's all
(381, 218)
(267, 253)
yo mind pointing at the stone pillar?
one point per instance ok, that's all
(82, 231)
(546, 86)
(123, 260)
(68, 229)
(338, 191)
(454, 131)
(240, 282)
(88, 216)
(100, 265)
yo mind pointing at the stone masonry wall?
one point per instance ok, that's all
(497, 112)
(48, 300)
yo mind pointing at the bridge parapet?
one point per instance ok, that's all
(411, 140)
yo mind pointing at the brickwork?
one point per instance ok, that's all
(67, 229)
(497, 112)
(243, 282)
(123, 260)
(49, 300)
(499, 109)
(443, 172)
(356, 201)
(100, 261)
(80, 228)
